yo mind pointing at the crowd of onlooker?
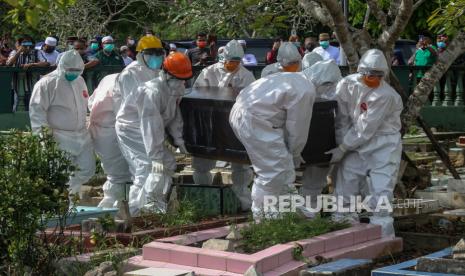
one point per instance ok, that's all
(26, 53)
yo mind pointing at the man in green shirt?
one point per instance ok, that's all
(107, 57)
(425, 55)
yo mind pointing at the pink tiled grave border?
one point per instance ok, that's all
(360, 241)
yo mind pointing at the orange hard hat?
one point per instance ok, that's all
(178, 65)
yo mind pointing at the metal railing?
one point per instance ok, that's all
(448, 92)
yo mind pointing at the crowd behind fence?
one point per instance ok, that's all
(448, 92)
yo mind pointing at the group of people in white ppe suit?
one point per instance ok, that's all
(132, 114)
(129, 114)
(229, 72)
(271, 117)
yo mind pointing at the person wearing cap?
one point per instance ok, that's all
(148, 115)
(25, 57)
(289, 60)
(370, 147)
(226, 73)
(325, 50)
(125, 55)
(248, 59)
(48, 53)
(107, 56)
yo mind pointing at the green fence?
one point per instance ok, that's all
(445, 110)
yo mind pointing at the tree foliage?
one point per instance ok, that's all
(232, 18)
(87, 18)
(449, 18)
(418, 22)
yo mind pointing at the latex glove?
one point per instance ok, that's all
(298, 161)
(157, 167)
(182, 149)
(337, 154)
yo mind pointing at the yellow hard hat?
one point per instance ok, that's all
(148, 42)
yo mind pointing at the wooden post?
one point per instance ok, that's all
(459, 90)
(440, 151)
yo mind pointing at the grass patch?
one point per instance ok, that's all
(289, 227)
(187, 212)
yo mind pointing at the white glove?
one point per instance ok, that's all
(337, 154)
(157, 167)
(182, 149)
(298, 160)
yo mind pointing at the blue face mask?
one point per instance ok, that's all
(153, 62)
(324, 44)
(108, 47)
(441, 44)
(94, 46)
(72, 75)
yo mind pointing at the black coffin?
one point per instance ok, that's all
(207, 132)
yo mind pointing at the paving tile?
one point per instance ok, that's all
(368, 250)
(374, 232)
(212, 259)
(239, 263)
(184, 255)
(157, 251)
(291, 268)
(362, 234)
(286, 253)
(268, 258)
(312, 246)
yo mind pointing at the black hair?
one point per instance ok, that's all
(25, 37)
(81, 40)
(201, 34)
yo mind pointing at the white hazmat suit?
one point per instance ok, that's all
(324, 75)
(102, 131)
(140, 124)
(217, 76)
(287, 54)
(309, 59)
(372, 138)
(271, 117)
(130, 78)
(61, 105)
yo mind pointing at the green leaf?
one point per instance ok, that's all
(32, 17)
(13, 3)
